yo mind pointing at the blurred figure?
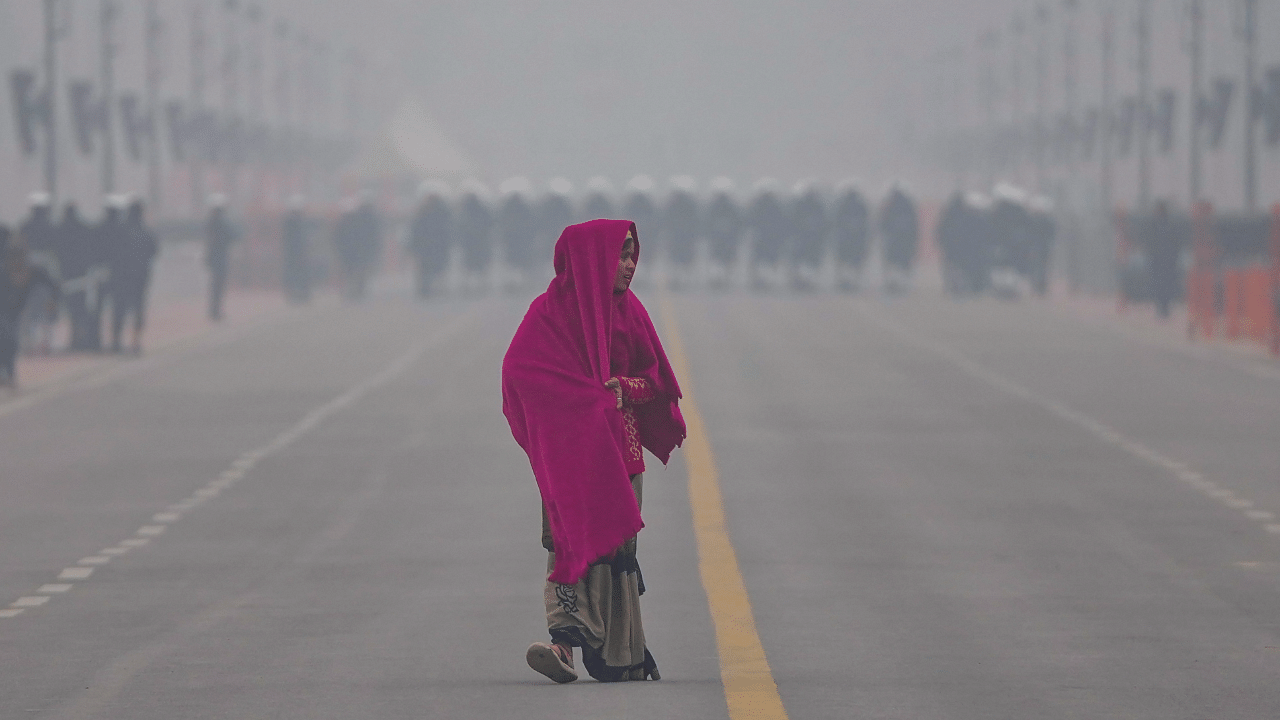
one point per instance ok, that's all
(1044, 229)
(771, 230)
(18, 278)
(295, 251)
(130, 262)
(517, 226)
(430, 236)
(900, 234)
(850, 224)
(555, 213)
(1164, 251)
(358, 241)
(639, 204)
(723, 229)
(219, 235)
(109, 243)
(81, 284)
(680, 230)
(598, 203)
(40, 237)
(811, 229)
(475, 225)
(964, 239)
(1010, 239)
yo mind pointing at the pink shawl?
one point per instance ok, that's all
(560, 411)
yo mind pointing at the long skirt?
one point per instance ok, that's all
(601, 612)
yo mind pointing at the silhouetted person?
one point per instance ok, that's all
(295, 254)
(810, 230)
(770, 228)
(41, 240)
(516, 230)
(680, 222)
(17, 280)
(1044, 229)
(475, 225)
(850, 224)
(430, 238)
(219, 235)
(1163, 249)
(130, 263)
(900, 233)
(81, 286)
(723, 227)
(109, 241)
(358, 242)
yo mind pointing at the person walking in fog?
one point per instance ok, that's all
(295, 252)
(40, 237)
(900, 232)
(585, 386)
(130, 262)
(430, 237)
(81, 284)
(18, 278)
(1163, 249)
(219, 236)
(358, 240)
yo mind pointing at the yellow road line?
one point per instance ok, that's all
(749, 687)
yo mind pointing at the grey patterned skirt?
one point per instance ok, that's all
(601, 612)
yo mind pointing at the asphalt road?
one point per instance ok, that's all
(984, 510)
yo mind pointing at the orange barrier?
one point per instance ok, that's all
(1273, 294)
(1250, 301)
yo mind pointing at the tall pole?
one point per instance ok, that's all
(153, 75)
(50, 98)
(196, 150)
(107, 20)
(1195, 48)
(230, 73)
(1042, 91)
(1108, 105)
(1250, 119)
(1143, 31)
(1017, 28)
(990, 42)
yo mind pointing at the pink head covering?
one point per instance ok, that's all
(560, 411)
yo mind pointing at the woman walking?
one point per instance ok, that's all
(586, 386)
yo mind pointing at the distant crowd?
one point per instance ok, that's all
(766, 238)
(97, 274)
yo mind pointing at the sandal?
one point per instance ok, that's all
(552, 661)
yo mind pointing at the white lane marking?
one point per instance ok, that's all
(30, 601)
(10, 613)
(52, 588)
(96, 376)
(251, 458)
(1108, 434)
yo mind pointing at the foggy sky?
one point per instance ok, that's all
(715, 87)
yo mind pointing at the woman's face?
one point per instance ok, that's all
(626, 265)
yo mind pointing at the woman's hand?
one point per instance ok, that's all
(615, 385)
